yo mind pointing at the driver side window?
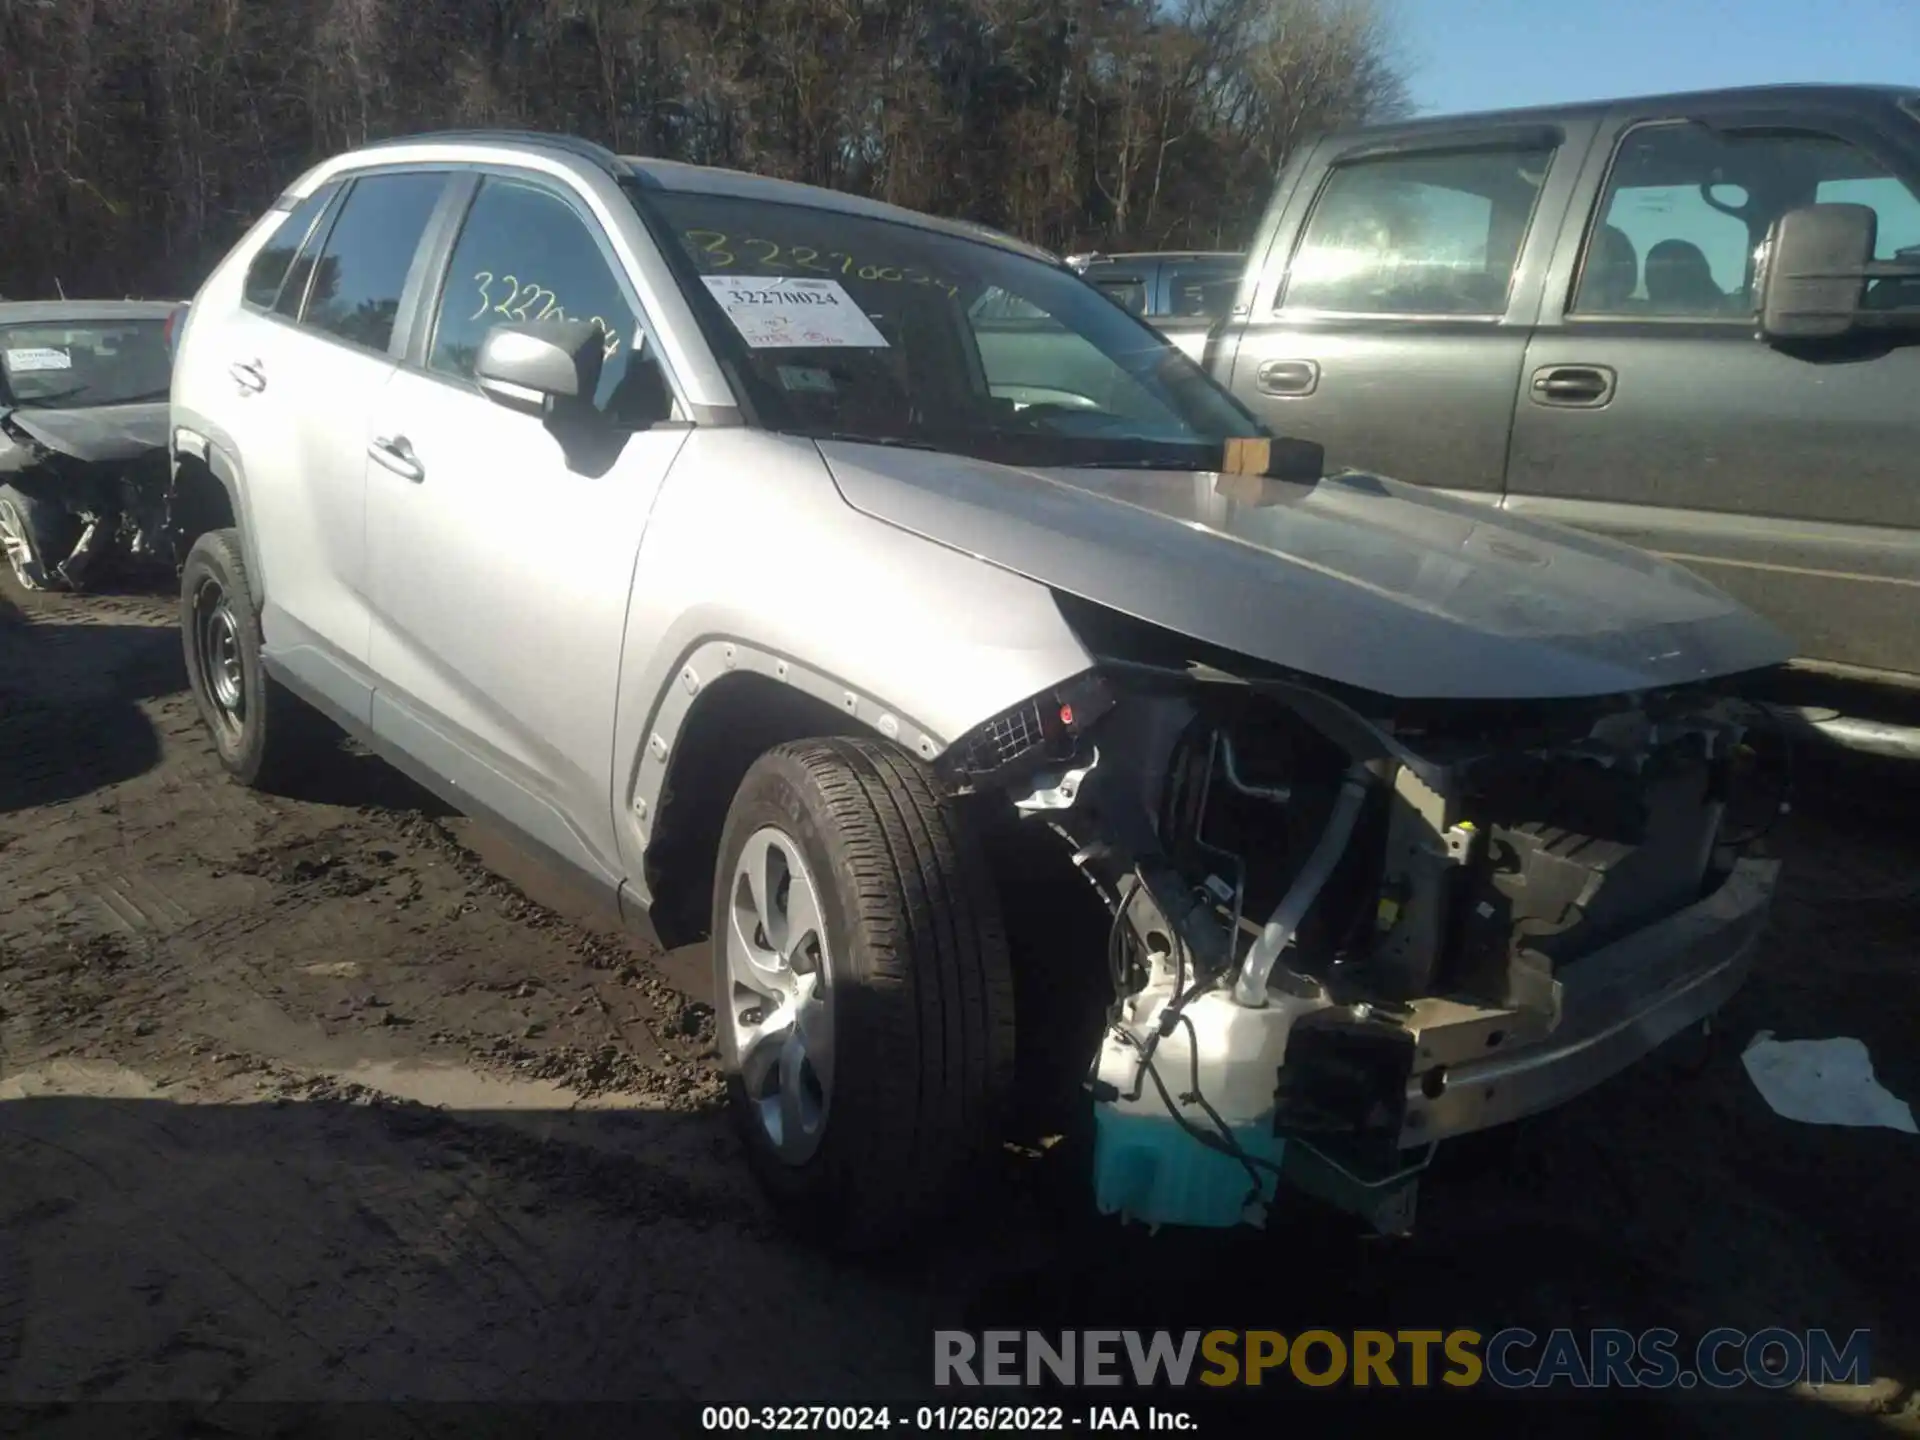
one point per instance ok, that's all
(525, 255)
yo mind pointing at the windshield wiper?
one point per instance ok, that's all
(145, 397)
(1135, 463)
(33, 400)
(854, 437)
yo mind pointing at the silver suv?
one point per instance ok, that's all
(868, 593)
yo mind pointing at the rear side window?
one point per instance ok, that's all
(1687, 210)
(1202, 289)
(1420, 234)
(269, 268)
(362, 269)
(1129, 292)
(1894, 205)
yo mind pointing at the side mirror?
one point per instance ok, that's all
(1817, 263)
(540, 367)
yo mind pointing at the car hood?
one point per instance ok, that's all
(103, 435)
(1357, 579)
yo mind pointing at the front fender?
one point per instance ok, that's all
(752, 561)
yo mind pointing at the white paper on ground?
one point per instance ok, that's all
(23, 362)
(1823, 1082)
(778, 311)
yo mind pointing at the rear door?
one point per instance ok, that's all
(240, 367)
(1390, 317)
(320, 377)
(1652, 412)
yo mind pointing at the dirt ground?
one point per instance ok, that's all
(335, 1098)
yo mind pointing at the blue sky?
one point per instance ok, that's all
(1485, 54)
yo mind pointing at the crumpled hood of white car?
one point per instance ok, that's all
(1357, 580)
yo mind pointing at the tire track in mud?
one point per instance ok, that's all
(272, 964)
(356, 913)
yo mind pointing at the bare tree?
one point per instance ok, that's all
(138, 138)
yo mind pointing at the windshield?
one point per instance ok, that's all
(74, 365)
(845, 326)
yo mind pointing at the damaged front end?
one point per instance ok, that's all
(1347, 927)
(75, 498)
(84, 470)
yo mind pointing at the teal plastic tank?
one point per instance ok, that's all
(1147, 1168)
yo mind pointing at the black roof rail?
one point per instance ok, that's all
(573, 145)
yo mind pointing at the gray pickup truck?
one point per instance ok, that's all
(1181, 293)
(1688, 322)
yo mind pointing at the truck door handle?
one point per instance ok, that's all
(1288, 377)
(395, 453)
(1583, 387)
(248, 375)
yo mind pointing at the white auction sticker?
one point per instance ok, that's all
(779, 312)
(25, 362)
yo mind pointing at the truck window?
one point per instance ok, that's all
(1202, 288)
(1895, 205)
(1129, 292)
(1686, 209)
(1423, 234)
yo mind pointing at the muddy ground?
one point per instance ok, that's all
(334, 1098)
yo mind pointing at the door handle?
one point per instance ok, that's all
(395, 453)
(248, 375)
(1288, 377)
(1582, 387)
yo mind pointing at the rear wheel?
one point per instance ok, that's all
(36, 536)
(864, 994)
(263, 733)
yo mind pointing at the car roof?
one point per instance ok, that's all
(26, 312)
(1825, 96)
(678, 176)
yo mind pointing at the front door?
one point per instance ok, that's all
(502, 550)
(1393, 330)
(1652, 413)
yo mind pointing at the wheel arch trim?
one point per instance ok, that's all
(707, 662)
(199, 440)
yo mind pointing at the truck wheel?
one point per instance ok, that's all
(263, 733)
(864, 995)
(36, 537)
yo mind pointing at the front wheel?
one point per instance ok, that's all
(263, 733)
(864, 994)
(36, 536)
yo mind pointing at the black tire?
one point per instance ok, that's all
(275, 736)
(47, 532)
(922, 986)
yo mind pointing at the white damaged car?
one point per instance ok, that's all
(867, 593)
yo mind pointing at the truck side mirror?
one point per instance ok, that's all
(1816, 272)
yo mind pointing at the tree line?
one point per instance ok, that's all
(139, 138)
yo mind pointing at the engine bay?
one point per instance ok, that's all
(1345, 928)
